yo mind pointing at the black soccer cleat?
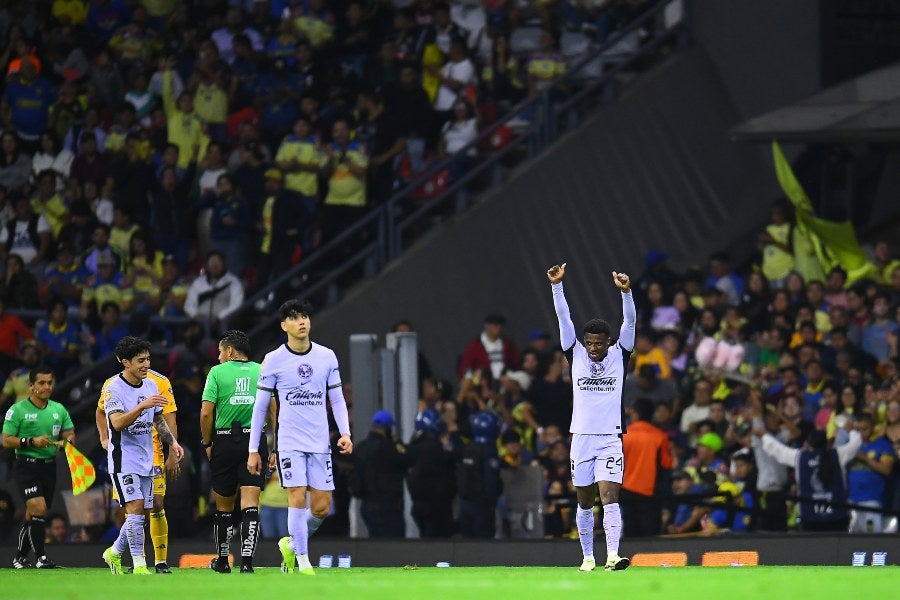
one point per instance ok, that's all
(220, 565)
(45, 563)
(163, 568)
(22, 563)
(245, 568)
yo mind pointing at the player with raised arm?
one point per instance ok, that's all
(301, 375)
(228, 398)
(598, 422)
(133, 405)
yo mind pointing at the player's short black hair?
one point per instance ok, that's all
(130, 346)
(238, 340)
(596, 326)
(295, 307)
(39, 370)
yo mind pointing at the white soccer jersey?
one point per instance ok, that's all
(301, 383)
(596, 385)
(597, 390)
(131, 449)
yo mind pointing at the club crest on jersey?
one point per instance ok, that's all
(129, 490)
(597, 369)
(305, 371)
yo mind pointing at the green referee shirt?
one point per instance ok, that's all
(231, 386)
(24, 419)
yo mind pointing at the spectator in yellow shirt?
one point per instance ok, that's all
(346, 168)
(646, 353)
(184, 129)
(49, 203)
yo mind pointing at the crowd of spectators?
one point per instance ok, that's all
(732, 375)
(160, 159)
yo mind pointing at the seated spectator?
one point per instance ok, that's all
(102, 340)
(491, 350)
(698, 410)
(707, 459)
(457, 133)
(101, 248)
(27, 236)
(13, 332)
(123, 228)
(647, 353)
(646, 384)
(215, 294)
(48, 202)
(19, 287)
(688, 497)
(60, 339)
(51, 156)
(17, 385)
(90, 164)
(77, 233)
(144, 268)
(107, 286)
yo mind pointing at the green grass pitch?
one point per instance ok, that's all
(430, 583)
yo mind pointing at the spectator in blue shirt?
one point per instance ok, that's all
(60, 339)
(28, 100)
(867, 477)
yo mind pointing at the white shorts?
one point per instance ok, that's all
(130, 487)
(596, 458)
(305, 469)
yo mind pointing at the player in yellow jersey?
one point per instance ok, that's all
(159, 526)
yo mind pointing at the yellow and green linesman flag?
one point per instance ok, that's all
(834, 241)
(83, 474)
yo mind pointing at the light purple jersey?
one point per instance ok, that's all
(596, 385)
(131, 449)
(301, 383)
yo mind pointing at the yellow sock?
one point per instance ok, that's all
(159, 533)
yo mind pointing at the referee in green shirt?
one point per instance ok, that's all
(36, 427)
(228, 399)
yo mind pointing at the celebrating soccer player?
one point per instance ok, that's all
(35, 428)
(162, 466)
(598, 372)
(225, 417)
(301, 375)
(133, 405)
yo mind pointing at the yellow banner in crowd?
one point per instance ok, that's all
(834, 241)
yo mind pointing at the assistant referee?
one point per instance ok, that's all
(36, 427)
(228, 399)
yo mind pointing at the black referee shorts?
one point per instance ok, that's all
(36, 477)
(229, 463)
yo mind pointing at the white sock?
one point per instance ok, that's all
(612, 525)
(139, 561)
(584, 520)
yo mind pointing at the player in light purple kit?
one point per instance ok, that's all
(598, 423)
(301, 375)
(133, 405)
